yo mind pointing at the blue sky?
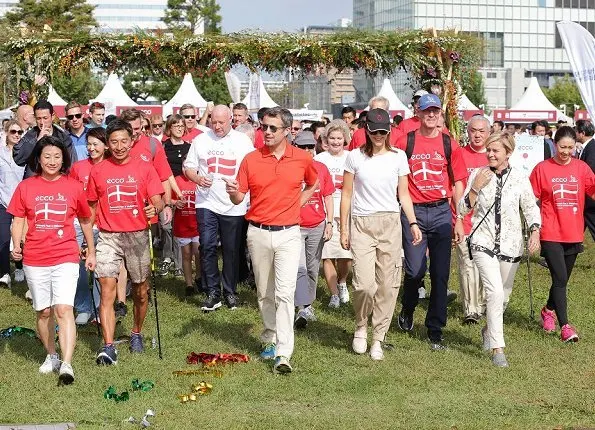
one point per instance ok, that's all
(281, 15)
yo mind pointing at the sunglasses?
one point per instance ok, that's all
(307, 146)
(157, 125)
(378, 132)
(19, 132)
(273, 128)
(189, 116)
(296, 128)
(76, 115)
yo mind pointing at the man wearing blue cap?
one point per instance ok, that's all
(437, 175)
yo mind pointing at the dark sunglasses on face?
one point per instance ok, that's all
(157, 125)
(273, 128)
(296, 128)
(189, 116)
(76, 115)
(19, 132)
(379, 132)
(308, 146)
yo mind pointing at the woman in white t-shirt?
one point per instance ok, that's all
(336, 261)
(375, 175)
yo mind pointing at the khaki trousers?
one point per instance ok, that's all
(376, 246)
(275, 258)
(472, 295)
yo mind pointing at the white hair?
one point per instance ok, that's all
(379, 100)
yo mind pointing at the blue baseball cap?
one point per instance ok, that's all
(429, 100)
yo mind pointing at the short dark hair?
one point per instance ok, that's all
(71, 105)
(261, 113)
(565, 131)
(118, 125)
(502, 125)
(283, 114)
(42, 105)
(348, 109)
(110, 118)
(315, 125)
(397, 119)
(33, 160)
(536, 124)
(96, 105)
(586, 127)
(545, 123)
(240, 106)
(363, 115)
(98, 133)
(131, 115)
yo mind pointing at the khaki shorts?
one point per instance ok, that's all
(131, 248)
(332, 249)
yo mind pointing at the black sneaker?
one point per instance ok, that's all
(165, 267)
(211, 303)
(107, 356)
(136, 343)
(405, 321)
(471, 319)
(120, 309)
(231, 301)
(437, 343)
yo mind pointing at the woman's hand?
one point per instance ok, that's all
(90, 262)
(17, 253)
(328, 232)
(180, 204)
(345, 240)
(416, 233)
(534, 243)
(483, 177)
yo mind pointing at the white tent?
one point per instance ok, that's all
(113, 95)
(257, 96)
(54, 98)
(187, 93)
(394, 102)
(466, 104)
(533, 99)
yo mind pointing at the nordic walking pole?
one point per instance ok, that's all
(92, 284)
(526, 238)
(154, 290)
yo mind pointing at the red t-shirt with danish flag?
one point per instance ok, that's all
(50, 208)
(428, 180)
(258, 138)
(359, 138)
(562, 189)
(313, 212)
(142, 150)
(336, 167)
(121, 192)
(81, 170)
(185, 224)
(473, 160)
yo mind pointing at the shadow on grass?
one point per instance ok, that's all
(327, 335)
(237, 334)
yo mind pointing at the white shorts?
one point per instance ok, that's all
(52, 285)
(183, 241)
(332, 249)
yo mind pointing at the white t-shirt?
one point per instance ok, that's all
(375, 180)
(219, 157)
(336, 166)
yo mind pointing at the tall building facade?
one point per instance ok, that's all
(521, 37)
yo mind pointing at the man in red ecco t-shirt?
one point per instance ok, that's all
(431, 190)
(274, 175)
(118, 190)
(474, 156)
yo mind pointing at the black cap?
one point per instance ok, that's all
(378, 119)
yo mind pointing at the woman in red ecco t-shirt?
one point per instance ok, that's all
(50, 201)
(560, 183)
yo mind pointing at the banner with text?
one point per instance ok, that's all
(527, 153)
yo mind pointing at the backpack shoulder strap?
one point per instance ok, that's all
(447, 154)
(410, 144)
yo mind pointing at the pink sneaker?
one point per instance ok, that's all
(548, 320)
(568, 334)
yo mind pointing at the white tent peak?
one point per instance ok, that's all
(394, 103)
(54, 98)
(113, 95)
(257, 96)
(187, 93)
(466, 104)
(534, 99)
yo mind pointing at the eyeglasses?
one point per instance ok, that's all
(296, 128)
(19, 132)
(76, 115)
(378, 132)
(273, 128)
(189, 116)
(307, 146)
(178, 126)
(157, 125)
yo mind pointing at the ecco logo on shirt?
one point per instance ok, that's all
(559, 180)
(44, 198)
(420, 157)
(438, 156)
(115, 181)
(215, 152)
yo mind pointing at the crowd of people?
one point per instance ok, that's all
(371, 196)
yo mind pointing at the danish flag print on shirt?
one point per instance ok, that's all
(121, 197)
(566, 194)
(50, 215)
(427, 174)
(222, 166)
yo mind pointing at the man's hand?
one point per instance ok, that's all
(45, 131)
(416, 233)
(150, 211)
(205, 181)
(459, 231)
(231, 186)
(90, 262)
(17, 253)
(167, 215)
(180, 204)
(345, 242)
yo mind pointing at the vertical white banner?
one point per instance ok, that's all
(254, 91)
(580, 48)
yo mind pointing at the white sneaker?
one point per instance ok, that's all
(308, 313)
(360, 340)
(5, 281)
(66, 374)
(343, 293)
(28, 296)
(51, 364)
(335, 302)
(19, 275)
(376, 352)
(82, 318)
(421, 291)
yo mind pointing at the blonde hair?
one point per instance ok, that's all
(506, 139)
(338, 125)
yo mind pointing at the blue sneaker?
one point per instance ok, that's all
(282, 365)
(136, 343)
(269, 351)
(107, 356)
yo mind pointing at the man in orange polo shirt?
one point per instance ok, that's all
(275, 176)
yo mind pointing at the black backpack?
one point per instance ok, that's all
(447, 152)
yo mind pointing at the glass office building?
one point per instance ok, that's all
(520, 36)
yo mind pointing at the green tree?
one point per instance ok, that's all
(213, 88)
(564, 91)
(66, 16)
(184, 16)
(80, 86)
(142, 83)
(474, 89)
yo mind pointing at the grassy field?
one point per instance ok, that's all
(549, 385)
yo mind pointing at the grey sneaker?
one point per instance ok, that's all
(335, 302)
(66, 374)
(343, 293)
(282, 366)
(19, 275)
(136, 343)
(82, 318)
(303, 316)
(499, 360)
(51, 364)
